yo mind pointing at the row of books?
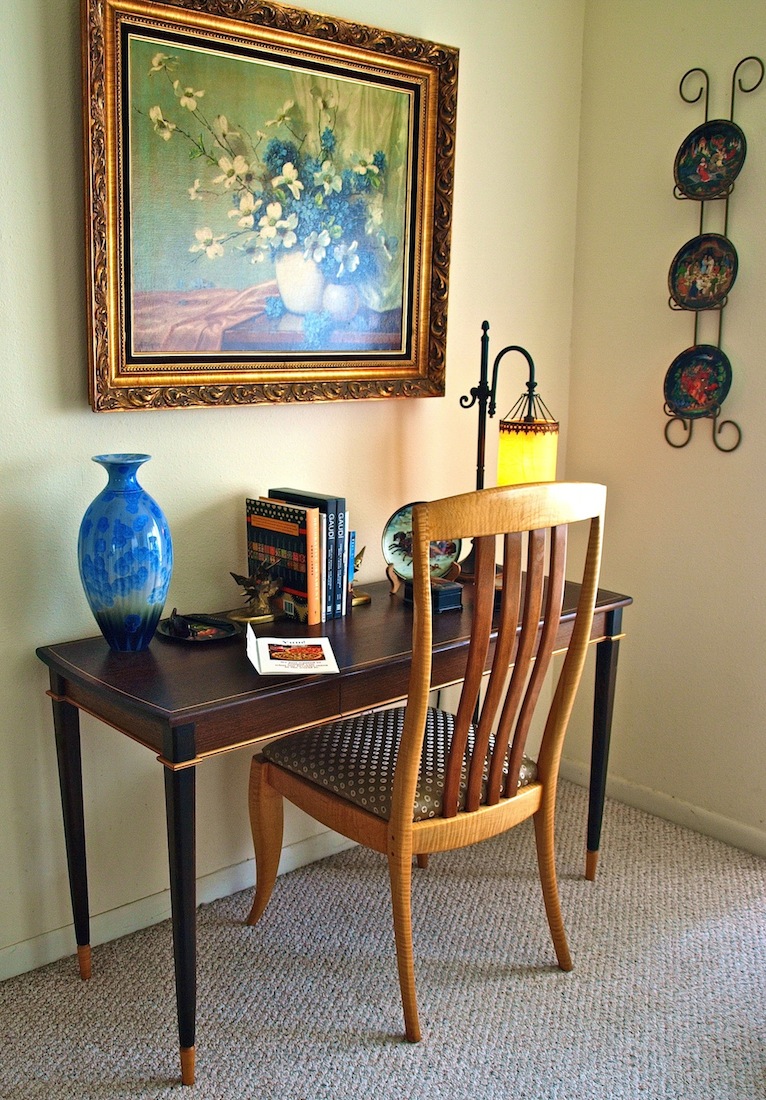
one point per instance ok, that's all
(306, 537)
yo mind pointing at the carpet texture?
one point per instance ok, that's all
(666, 1000)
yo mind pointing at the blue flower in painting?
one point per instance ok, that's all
(274, 307)
(295, 185)
(316, 329)
(279, 153)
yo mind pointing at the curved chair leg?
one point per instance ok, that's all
(546, 861)
(266, 822)
(400, 873)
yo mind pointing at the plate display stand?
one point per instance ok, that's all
(396, 544)
(704, 270)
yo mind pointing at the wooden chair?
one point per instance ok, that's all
(413, 780)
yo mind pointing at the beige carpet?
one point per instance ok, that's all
(666, 1001)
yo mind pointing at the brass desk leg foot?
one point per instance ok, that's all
(591, 862)
(187, 1065)
(83, 958)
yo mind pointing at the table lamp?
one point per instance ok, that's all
(528, 434)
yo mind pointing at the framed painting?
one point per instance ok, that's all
(268, 205)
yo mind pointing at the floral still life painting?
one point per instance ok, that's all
(268, 205)
(296, 205)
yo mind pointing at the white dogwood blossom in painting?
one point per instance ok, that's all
(161, 125)
(208, 243)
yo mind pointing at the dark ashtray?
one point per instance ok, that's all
(445, 595)
(196, 628)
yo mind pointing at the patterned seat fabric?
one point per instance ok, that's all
(355, 758)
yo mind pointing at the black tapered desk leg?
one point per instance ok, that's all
(180, 807)
(607, 652)
(66, 722)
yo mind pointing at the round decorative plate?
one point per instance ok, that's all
(697, 381)
(196, 628)
(703, 272)
(709, 160)
(396, 544)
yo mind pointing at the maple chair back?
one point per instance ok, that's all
(526, 587)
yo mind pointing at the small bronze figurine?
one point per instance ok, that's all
(260, 587)
(358, 598)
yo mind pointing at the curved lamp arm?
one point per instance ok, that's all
(486, 396)
(529, 397)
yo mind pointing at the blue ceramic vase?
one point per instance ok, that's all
(126, 556)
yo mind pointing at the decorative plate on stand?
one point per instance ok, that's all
(703, 272)
(697, 382)
(396, 544)
(709, 160)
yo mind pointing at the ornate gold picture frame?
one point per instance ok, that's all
(268, 204)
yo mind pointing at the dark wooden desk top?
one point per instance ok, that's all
(186, 701)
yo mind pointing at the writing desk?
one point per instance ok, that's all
(188, 703)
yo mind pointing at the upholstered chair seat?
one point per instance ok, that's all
(355, 758)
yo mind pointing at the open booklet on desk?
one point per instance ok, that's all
(290, 656)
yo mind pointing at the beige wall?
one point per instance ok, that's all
(686, 529)
(513, 259)
(683, 536)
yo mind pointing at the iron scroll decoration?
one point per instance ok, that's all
(702, 273)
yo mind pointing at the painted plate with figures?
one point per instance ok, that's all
(703, 272)
(697, 381)
(396, 544)
(709, 160)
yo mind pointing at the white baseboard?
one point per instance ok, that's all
(664, 805)
(60, 942)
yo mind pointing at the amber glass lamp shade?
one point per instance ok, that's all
(526, 451)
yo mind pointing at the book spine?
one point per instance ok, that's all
(315, 599)
(340, 557)
(323, 589)
(351, 556)
(346, 549)
(332, 538)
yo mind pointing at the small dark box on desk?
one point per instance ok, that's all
(445, 595)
